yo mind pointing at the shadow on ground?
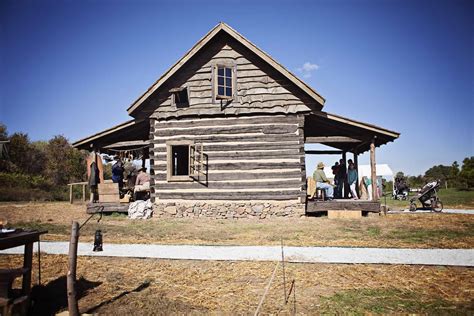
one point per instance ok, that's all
(51, 298)
(145, 300)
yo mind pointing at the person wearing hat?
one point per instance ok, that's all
(322, 182)
(142, 183)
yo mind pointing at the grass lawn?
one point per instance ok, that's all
(422, 230)
(451, 198)
(119, 286)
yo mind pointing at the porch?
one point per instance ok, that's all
(130, 141)
(345, 136)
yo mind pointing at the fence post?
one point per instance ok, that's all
(71, 274)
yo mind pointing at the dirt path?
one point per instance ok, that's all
(445, 257)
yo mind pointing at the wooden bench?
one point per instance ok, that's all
(320, 194)
(313, 192)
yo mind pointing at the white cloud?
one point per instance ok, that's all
(307, 69)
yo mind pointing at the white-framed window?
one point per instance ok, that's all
(224, 81)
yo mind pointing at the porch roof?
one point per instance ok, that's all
(343, 133)
(130, 135)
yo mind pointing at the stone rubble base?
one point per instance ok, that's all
(228, 210)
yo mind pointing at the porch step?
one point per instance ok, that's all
(344, 214)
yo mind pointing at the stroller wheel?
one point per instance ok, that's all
(412, 207)
(437, 206)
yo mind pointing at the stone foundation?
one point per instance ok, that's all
(229, 210)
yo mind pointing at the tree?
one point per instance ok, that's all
(400, 175)
(416, 181)
(4, 163)
(466, 176)
(438, 172)
(64, 163)
(453, 180)
(3, 132)
(20, 153)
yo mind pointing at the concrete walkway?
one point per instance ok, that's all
(447, 211)
(449, 257)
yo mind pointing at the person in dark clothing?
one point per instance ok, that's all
(341, 177)
(335, 170)
(117, 172)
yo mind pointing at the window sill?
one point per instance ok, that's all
(180, 179)
(223, 97)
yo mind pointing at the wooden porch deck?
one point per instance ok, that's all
(343, 205)
(92, 208)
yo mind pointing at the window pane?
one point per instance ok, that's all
(220, 81)
(228, 92)
(220, 90)
(180, 160)
(228, 72)
(228, 82)
(220, 71)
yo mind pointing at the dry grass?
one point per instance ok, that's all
(118, 286)
(424, 230)
(144, 286)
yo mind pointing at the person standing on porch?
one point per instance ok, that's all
(352, 180)
(368, 184)
(117, 172)
(341, 177)
(322, 181)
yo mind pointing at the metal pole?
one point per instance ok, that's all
(283, 266)
(39, 262)
(294, 297)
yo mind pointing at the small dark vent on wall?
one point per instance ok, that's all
(180, 97)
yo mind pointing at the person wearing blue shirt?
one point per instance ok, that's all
(117, 173)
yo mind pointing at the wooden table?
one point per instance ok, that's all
(23, 238)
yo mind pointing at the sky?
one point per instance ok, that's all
(74, 67)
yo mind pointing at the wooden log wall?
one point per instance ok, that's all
(260, 88)
(248, 158)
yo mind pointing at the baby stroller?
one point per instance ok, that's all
(428, 197)
(400, 190)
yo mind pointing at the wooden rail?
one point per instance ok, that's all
(71, 196)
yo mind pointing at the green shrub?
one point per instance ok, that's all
(21, 187)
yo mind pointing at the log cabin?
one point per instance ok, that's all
(225, 130)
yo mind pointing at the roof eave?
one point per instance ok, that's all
(104, 133)
(363, 125)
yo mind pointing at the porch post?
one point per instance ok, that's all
(373, 169)
(356, 163)
(345, 192)
(143, 157)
